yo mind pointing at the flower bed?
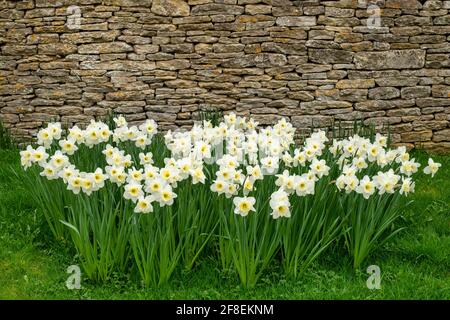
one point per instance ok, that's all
(134, 202)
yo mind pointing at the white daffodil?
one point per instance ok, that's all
(155, 185)
(120, 121)
(149, 127)
(319, 168)
(366, 187)
(145, 158)
(254, 173)
(170, 174)
(231, 190)
(386, 181)
(219, 186)
(225, 173)
(87, 184)
(133, 191)
(281, 210)
(26, 157)
(407, 186)
(68, 146)
(99, 178)
(303, 185)
(45, 138)
(372, 151)
(68, 172)
(50, 172)
(150, 172)
(279, 203)
(144, 204)
(76, 134)
(351, 183)
(287, 159)
(142, 141)
(202, 150)
(135, 175)
(247, 186)
(409, 167)
(166, 196)
(197, 175)
(269, 165)
(360, 163)
(432, 167)
(40, 156)
(299, 158)
(59, 160)
(243, 205)
(74, 184)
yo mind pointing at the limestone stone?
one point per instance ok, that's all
(442, 135)
(109, 47)
(416, 92)
(376, 105)
(296, 21)
(417, 136)
(394, 59)
(171, 8)
(384, 93)
(355, 84)
(403, 4)
(433, 102)
(217, 8)
(255, 9)
(440, 148)
(175, 64)
(326, 56)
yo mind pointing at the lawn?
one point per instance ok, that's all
(415, 264)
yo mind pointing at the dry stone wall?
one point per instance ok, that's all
(311, 61)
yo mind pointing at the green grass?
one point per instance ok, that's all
(414, 265)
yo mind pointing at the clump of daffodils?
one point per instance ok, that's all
(242, 154)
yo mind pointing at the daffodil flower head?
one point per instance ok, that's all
(243, 205)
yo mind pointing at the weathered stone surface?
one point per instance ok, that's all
(175, 64)
(355, 84)
(258, 9)
(166, 59)
(397, 81)
(384, 93)
(375, 105)
(440, 91)
(171, 8)
(442, 135)
(394, 59)
(296, 21)
(403, 4)
(312, 121)
(216, 9)
(260, 60)
(326, 56)
(110, 47)
(417, 136)
(119, 65)
(416, 92)
(146, 48)
(433, 102)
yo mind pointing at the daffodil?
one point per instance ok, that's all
(166, 196)
(144, 204)
(366, 187)
(68, 146)
(243, 205)
(432, 167)
(133, 191)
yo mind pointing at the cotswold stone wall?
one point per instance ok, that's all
(310, 61)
